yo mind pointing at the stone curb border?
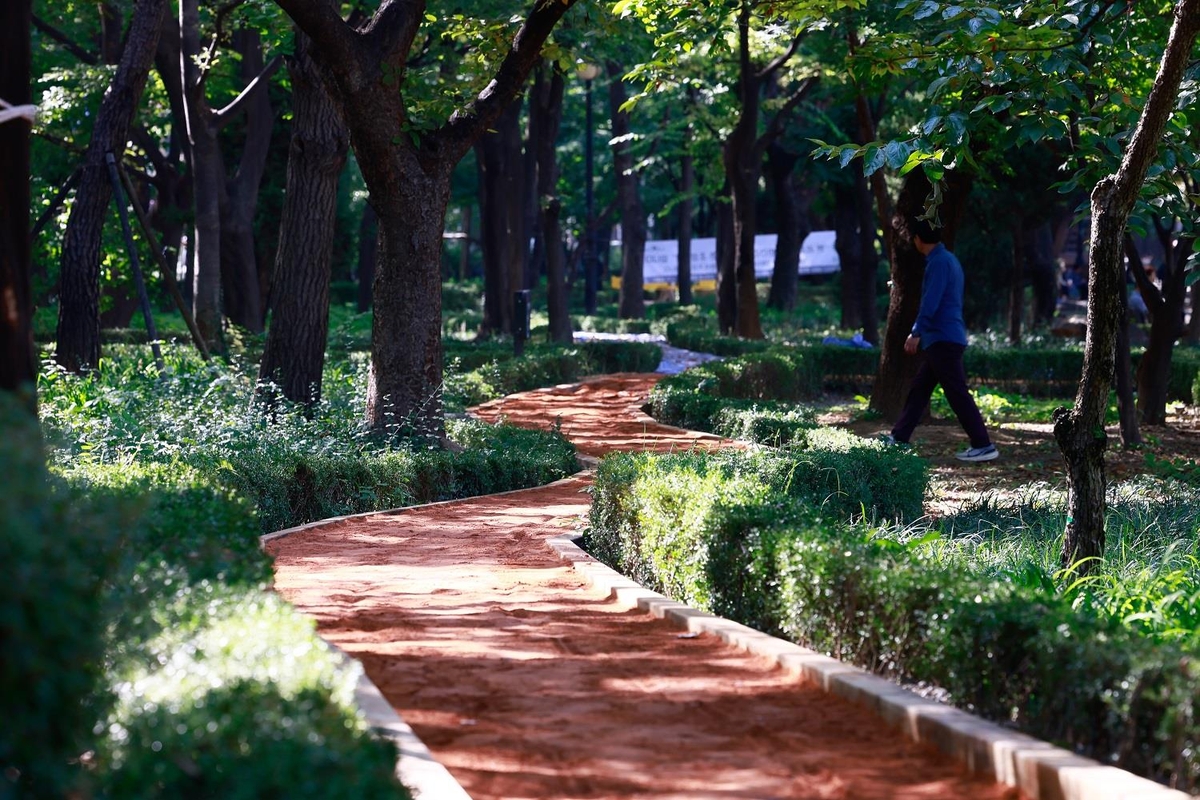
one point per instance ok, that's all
(1039, 769)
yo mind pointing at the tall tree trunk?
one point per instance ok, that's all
(368, 255)
(78, 347)
(501, 218)
(743, 166)
(1131, 435)
(868, 260)
(295, 352)
(792, 226)
(727, 295)
(629, 198)
(18, 362)
(1016, 287)
(848, 244)
(1040, 263)
(171, 204)
(239, 268)
(687, 182)
(204, 157)
(1080, 430)
(545, 112)
(1165, 304)
(109, 40)
(409, 182)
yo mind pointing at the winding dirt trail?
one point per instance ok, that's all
(526, 682)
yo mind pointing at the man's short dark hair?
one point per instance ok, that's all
(925, 230)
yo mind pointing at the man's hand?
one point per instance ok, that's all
(912, 344)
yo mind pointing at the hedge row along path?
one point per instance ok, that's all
(526, 682)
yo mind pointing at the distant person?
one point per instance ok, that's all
(940, 332)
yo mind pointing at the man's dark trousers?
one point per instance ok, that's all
(943, 365)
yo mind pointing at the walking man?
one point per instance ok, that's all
(940, 332)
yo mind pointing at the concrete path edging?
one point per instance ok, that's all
(1039, 769)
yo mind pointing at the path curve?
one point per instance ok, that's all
(526, 682)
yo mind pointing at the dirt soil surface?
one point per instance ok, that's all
(525, 682)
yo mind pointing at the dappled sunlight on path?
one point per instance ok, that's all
(528, 682)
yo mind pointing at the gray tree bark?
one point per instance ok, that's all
(629, 200)
(295, 352)
(545, 111)
(409, 181)
(78, 339)
(1080, 430)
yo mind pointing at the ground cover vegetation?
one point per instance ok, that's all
(192, 678)
(804, 542)
(999, 118)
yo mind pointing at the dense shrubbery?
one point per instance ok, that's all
(1042, 371)
(1108, 667)
(546, 365)
(160, 486)
(138, 624)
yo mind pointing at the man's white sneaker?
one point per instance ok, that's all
(978, 453)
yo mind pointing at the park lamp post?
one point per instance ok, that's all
(589, 72)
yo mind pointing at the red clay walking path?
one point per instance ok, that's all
(526, 682)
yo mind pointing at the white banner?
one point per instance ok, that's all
(660, 264)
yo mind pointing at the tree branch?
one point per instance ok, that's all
(775, 124)
(321, 22)
(82, 53)
(778, 62)
(260, 80)
(465, 124)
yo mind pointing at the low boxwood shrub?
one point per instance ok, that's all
(611, 324)
(58, 551)
(762, 423)
(716, 532)
(847, 476)
(293, 486)
(605, 357)
(497, 374)
(239, 699)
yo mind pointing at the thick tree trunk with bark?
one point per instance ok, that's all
(295, 352)
(545, 111)
(409, 181)
(239, 268)
(687, 181)
(848, 244)
(1080, 430)
(18, 362)
(171, 203)
(792, 225)
(368, 255)
(204, 157)
(727, 295)
(1131, 435)
(501, 179)
(1016, 285)
(629, 199)
(868, 257)
(78, 346)
(896, 368)
(743, 168)
(1166, 306)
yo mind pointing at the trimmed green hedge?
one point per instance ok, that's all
(719, 533)
(137, 621)
(1037, 371)
(502, 374)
